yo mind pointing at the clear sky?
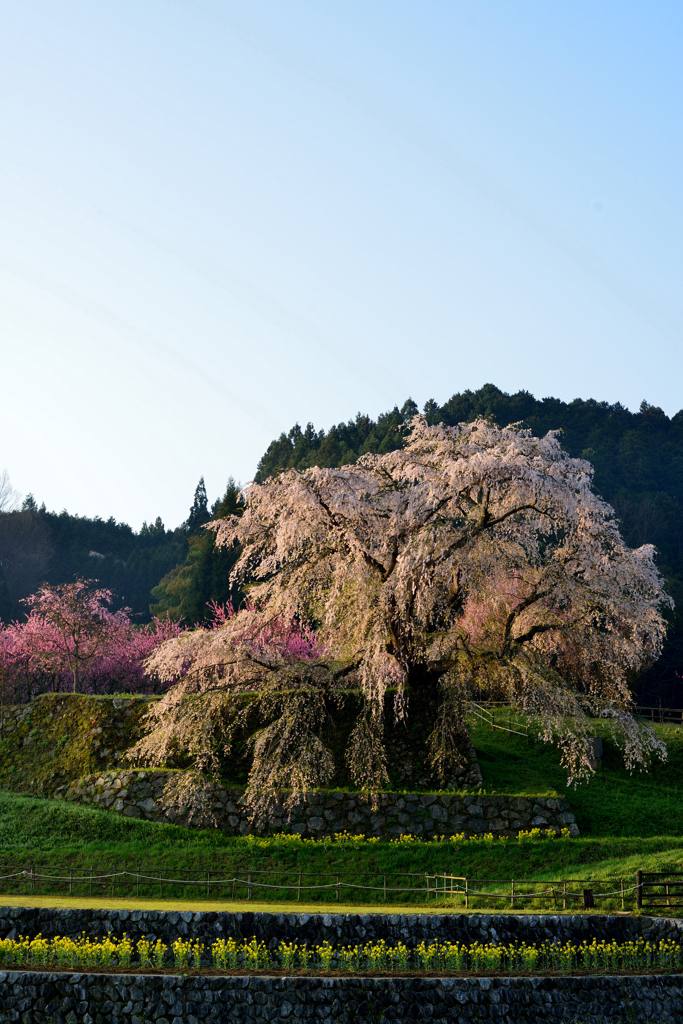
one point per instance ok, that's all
(218, 218)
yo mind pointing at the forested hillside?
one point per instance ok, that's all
(179, 569)
(39, 546)
(638, 460)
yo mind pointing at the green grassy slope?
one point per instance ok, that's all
(613, 803)
(55, 835)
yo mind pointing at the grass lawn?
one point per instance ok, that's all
(233, 906)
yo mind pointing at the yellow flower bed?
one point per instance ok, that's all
(349, 839)
(231, 954)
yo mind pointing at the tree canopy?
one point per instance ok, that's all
(637, 458)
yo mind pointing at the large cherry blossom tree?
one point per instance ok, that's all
(476, 560)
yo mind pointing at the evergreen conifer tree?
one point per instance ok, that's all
(199, 513)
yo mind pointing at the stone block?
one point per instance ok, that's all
(496, 824)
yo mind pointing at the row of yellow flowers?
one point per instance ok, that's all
(231, 954)
(534, 835)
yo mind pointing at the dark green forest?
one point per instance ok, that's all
(638, 460)
(38, 546)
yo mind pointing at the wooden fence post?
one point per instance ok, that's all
(639, 890)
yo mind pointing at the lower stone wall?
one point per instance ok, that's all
(35, 998)
(338, 929)
(140, 794)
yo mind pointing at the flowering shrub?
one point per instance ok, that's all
(252, 955)
(535, 835)
(274, 638)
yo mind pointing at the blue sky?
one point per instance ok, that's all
(218, 218)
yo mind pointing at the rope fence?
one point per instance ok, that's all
(443, 888)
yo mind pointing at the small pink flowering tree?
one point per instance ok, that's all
(70, 629)
(71, 640)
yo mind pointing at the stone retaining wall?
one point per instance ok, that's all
(36, 998)
(338, 929)
(140, 794)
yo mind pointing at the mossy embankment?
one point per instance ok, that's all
(59, 737)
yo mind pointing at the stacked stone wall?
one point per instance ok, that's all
(38, 998)
(140, 794)
(72, 998)
(338, 929)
